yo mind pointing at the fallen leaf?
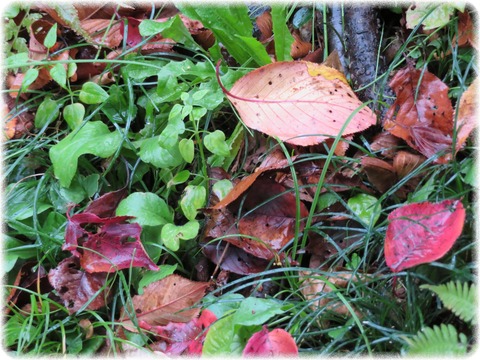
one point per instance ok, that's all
(18, 126)
(269, 222)
(380, 173)
(320, 292)
(422, 114)
(420, 233)
(234, 259)
(277, 342)
(115, 247)
(115, 244)
(466, 31)
(106, 205)
(467, 119)
(182, 338)
(299, 102)
(167, 300)
(77, 287)
(133, 32)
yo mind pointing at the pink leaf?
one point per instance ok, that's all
(265, 343)
(300, 102)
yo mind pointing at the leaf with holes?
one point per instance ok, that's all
(420, 233)
(299, 102)
(76, 287)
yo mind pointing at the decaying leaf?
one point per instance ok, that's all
(77, 287)
(420, 233)
(422, 114)
(466, 120)
(277, 342)
(321, 290)
(182, 338)
(299, 102)
(167, 300)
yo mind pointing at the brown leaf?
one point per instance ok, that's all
(18, 126)
(234, 259)
(273, 161)
(96, 28)
(466, 31)
(166, 300)
(422, 114)
(386, 144)
(404, 163)
(379, 172)
(270, 220)
(467, 119)
(300, 48)
(77, 287)
(317, 290)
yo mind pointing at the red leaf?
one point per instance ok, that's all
(106, 204)
(76, 287)
(265, 343)
(422, 232)
(133, 31)
(112, 249)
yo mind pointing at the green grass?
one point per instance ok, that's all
(141, 111)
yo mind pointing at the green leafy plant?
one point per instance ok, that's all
(445, 339)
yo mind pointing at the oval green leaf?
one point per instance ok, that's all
(193, 199)
(148, 208)
(74, 114)
(92, 93)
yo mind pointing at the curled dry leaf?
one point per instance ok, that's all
(277, 342)
(168, 300)
(422, 114)
(380, 173)
(77, 287)
(420, 233)
(299, 102)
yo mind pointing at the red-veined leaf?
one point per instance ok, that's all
(300, 102)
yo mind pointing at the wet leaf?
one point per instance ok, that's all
(299, 102)
(187, 149)
(151, 276)
(277, 342)
(234, 259)
(166, 300)
(422, 114)
(436, 15)
(77, 287)
(467, 114)
(420, 233)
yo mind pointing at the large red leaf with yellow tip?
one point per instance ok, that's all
(420, 233)
(299, 102)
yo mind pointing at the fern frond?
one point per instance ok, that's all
(458, 297)
(443, 340)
